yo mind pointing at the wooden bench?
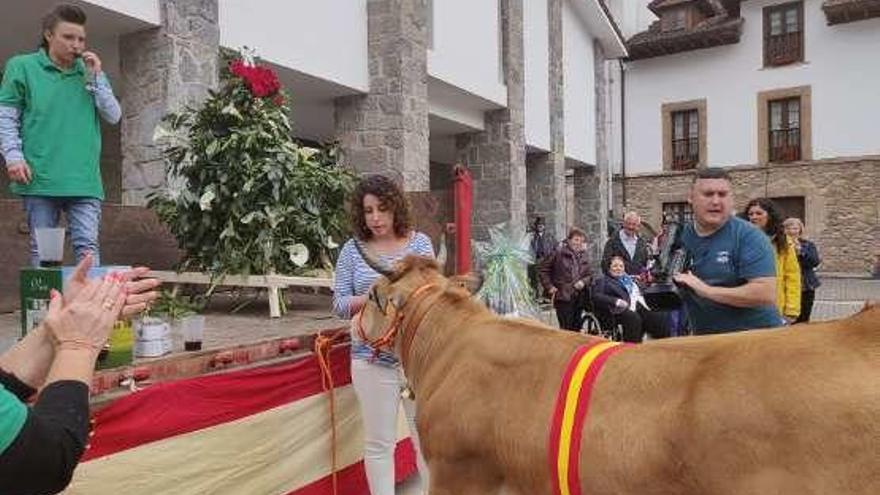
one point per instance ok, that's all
(271, 282)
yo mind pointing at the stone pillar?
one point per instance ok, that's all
(386, 131)
(496, 156)
(588, 208)
(603, 112)
(163, 69)
(546, 172)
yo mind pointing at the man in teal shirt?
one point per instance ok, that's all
(732, 278)
(50, 136)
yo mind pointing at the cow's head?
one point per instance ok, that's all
(400, 295)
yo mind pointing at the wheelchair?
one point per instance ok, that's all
(593, 325)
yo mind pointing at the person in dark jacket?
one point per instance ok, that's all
(629, 245)
(566, 277)
(541, 245)
(40, 446)
(808, 258)
(617, 299)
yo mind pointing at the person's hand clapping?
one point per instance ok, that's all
(84, 320)
(140, 292)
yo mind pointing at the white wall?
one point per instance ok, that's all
(580, 90)
(145, 10)
(840, 66)
(326, 39)
(467, 47)
(536, 38)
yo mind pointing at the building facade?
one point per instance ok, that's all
(515, 90)
(780, 92)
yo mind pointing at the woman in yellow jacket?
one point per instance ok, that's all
(764, 214)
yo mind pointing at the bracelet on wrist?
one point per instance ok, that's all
(78, 345)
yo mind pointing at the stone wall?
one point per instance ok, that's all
(589, 209)
(162, 70)
(545, 172)
(841, 196)
(496, 157)
(386, 131)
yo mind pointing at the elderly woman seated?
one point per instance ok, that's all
(617, 300)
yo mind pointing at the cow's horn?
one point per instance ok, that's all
(442, 252)
(371, 259)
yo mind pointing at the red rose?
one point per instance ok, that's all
(261, 81)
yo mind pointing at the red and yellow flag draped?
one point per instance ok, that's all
(572, 404)
(258, 431)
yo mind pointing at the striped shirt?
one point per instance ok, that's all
(354, 278)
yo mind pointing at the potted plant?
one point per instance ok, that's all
(242, 195)
(173, 315)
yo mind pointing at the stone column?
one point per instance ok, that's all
(386, 131)
(546, 171)
(496, 156)
(163, 69)
(588, 208)
(603, 111)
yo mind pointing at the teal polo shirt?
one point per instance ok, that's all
(12, 417)
(729, 257)
(60, 132)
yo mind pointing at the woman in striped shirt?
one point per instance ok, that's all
(380, 218)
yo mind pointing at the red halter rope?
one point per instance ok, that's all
(390, 334)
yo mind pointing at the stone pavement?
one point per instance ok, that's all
(841, 296)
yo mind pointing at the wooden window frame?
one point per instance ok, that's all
(692, 148)
(804, 93)
(666, 112)
(793, 58)
(790, 152)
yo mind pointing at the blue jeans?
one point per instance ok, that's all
(83, 222)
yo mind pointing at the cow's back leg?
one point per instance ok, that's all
(469, 476)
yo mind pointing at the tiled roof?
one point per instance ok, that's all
(842, 11)
(718, 30)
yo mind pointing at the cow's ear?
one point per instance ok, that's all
(469, 282)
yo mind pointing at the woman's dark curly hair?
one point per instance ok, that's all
(390, 196)
(774, 228)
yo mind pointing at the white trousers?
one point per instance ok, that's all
(378, 389)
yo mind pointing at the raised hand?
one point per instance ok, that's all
(140, 291)
(84, 321)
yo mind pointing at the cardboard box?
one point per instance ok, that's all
(34, 287)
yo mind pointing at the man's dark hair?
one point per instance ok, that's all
(712, 173)
(61, 13)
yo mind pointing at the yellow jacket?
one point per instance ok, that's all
(788, 281)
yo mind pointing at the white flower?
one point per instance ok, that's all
(299, 254)
(231, 110)
(206, 199)
(175, 185)
(306, 152)
(330, 243)
(161, 134)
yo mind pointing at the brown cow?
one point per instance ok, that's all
(793, 411)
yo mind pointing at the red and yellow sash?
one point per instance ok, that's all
(572, 404)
